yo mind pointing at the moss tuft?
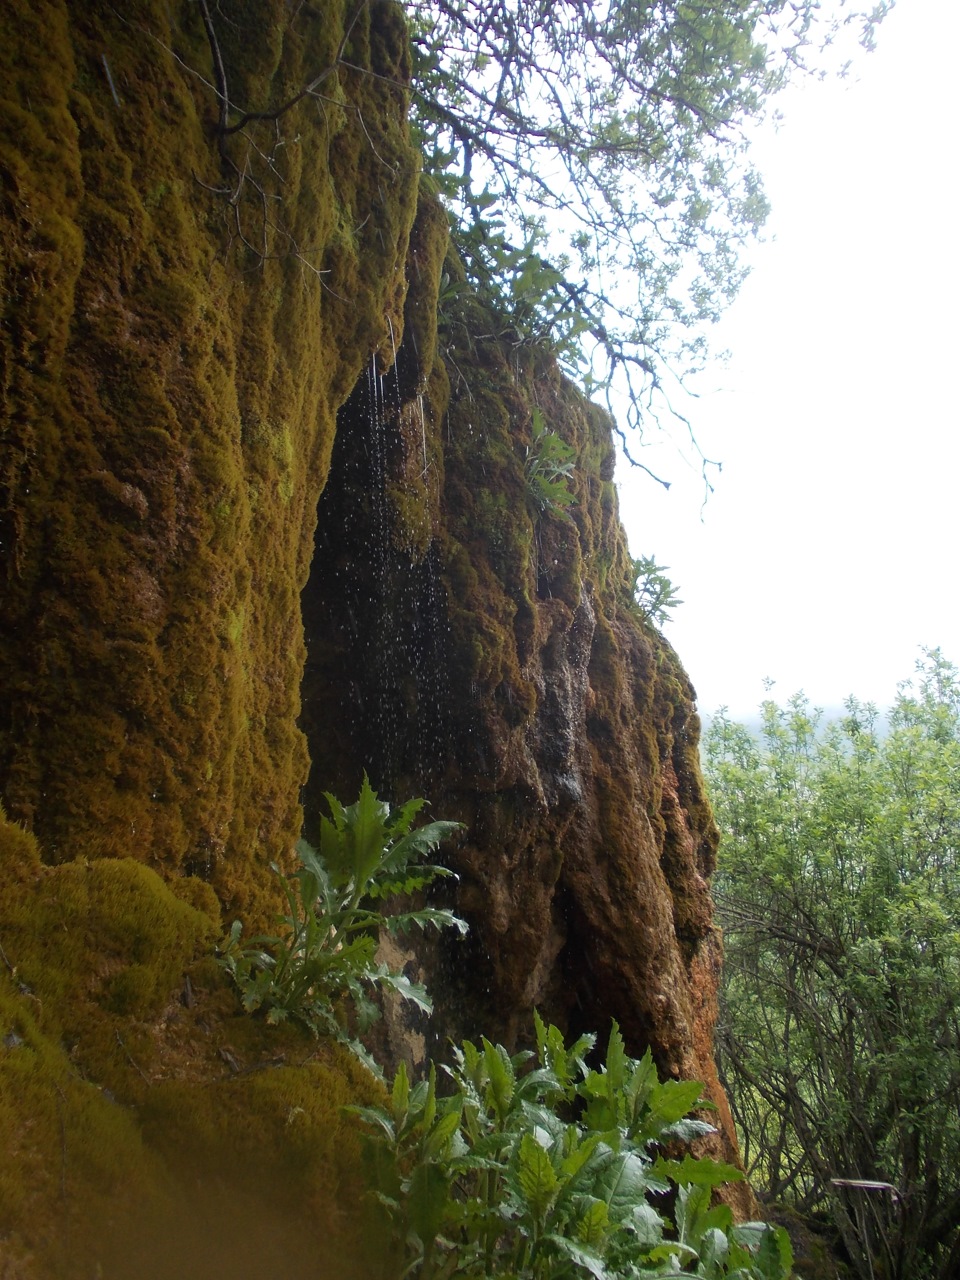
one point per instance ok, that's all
(135, 1099)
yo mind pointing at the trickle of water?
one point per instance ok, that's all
(423, 436)
(405, 650)
(375, 617)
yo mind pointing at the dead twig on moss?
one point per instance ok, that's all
(271, 113)
(129, 1058)
(247, 190)
(246, 185)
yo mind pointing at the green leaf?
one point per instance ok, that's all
(647, 1225)
(439, 1138)
(714, 1251)
(415, 992)
(427, 1198)
(623, 1184)
(436, 916)
(536, 1176)
(672, 1099)
(579, 1253)
(616, 1063)
(593, 1225)
(701, 1171)
(376, 1118)
(501, 1081)
(400, 1093)
(770, 1247)
(673, 1250)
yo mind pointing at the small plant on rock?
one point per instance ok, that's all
(321, 969)
(653, 592)
(548, 468)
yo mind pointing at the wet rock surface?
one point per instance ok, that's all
(507, 675)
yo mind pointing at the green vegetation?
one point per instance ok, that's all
(538, 1170)
(327, 952)
(542, 1170)
(178, 358)
(839, 893)
(143, 1117)
(548, 468)
(596, 161)
(653, 592)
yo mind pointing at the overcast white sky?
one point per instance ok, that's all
(828, 554)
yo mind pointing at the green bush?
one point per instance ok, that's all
(322, 967)
(537, 1167)
(838, 890)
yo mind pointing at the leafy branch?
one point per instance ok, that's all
(610, 145)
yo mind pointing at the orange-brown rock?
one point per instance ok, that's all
(468, 643)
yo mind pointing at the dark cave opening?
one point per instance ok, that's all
(374, 688)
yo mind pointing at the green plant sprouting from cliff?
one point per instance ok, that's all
(548, 468)
(322, 967)
(539, 1167)
(653, 594)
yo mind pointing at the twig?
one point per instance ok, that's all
(308, 89)
(126, 1053)
(61, 1106)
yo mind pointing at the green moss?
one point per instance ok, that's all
(90, 940)
(279, 1131)
(125, 1128)
(153, 550)
(70, 1152)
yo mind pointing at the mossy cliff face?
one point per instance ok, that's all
(179, 328)
(507, 675)
(181, 317)
(208, 340)
(150, 1130)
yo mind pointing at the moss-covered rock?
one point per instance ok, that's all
(503, 670)
(148, 1123)
(218, 330)
(182, 313)
(182, 316)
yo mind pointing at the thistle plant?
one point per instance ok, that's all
(653, 592)
(539, 1167)
(321, 968)
(548, 468)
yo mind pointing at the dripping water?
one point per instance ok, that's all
(375, 684)
(408, 647)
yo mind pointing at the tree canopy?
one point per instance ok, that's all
(595, 158)
(839, 893)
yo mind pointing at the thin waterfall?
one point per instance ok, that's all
(375, 685)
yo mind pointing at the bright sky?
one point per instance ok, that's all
(828, 554)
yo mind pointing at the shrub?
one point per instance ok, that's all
(321, 968)
(839, 1037)
(537, 1167)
